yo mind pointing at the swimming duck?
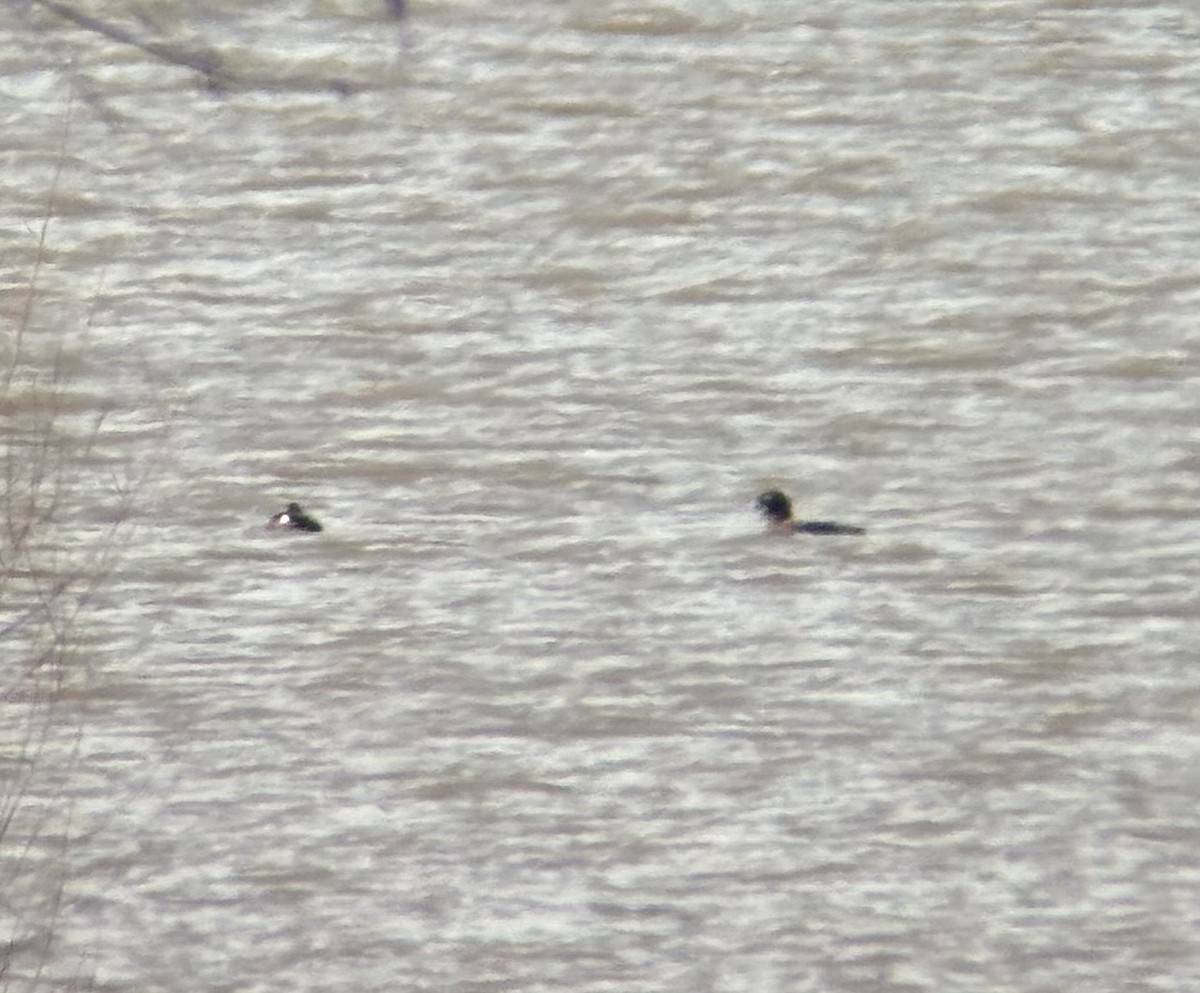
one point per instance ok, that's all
(294, 517)
(777, 509)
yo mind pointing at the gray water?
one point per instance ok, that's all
(526, 303)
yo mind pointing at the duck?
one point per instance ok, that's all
(294, 518)
(776, 507)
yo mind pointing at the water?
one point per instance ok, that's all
(527, 321)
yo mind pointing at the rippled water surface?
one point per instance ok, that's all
(526, 303)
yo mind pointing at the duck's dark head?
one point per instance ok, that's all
(775, 506)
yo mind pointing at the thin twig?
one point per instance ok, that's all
(40, 255)
(208, 63)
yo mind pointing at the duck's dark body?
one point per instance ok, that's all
(294, 518)
(825, 527)
(777, 508)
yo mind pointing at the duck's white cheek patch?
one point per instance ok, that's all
(284, 520)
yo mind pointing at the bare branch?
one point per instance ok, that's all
(48, 576)
(208, 63)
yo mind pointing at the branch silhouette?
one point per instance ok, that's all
(208, 63)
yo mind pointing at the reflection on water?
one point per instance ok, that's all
(527, 322)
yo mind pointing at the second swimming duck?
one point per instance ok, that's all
(777, 509)
(294, 517)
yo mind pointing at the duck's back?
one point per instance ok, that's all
(827, 527)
